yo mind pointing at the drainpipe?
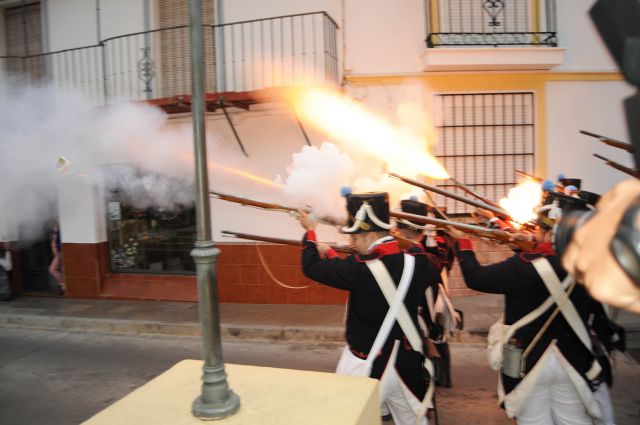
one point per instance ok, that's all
(98, 23)
(220, 46)
(147, 38)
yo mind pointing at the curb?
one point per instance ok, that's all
(229, 332)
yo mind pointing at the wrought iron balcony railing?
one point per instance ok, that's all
(242, 56)
(464, 23)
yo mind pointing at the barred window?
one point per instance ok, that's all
(24, 39)
(482, 138)
(175, 59)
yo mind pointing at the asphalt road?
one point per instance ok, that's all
(60, 378)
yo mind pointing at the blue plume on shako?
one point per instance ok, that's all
(345, 191)
(548, 186)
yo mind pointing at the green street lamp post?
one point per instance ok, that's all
(216, 400)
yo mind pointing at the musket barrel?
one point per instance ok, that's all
(473, 193)
(269, 206)
(497, 211)
(528, 175)
(423, 219)
(611, 142)
(226, 233)
(251, 202)
(495, 234)
(627, 170)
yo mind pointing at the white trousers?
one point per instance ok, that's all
(395, 397)
(604, 400)
(553, 400)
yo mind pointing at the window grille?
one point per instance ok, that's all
(175, 54)
(491, 23)
(482, 138)
(24, 39)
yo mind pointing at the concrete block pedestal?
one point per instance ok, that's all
(267, 396)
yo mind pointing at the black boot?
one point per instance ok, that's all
(443, 350)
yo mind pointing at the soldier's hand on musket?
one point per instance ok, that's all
(323, 248)
(485, 213)
(455, 233)
(305, 220)
(519, 240)
(521, 237)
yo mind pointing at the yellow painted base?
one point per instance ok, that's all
(267, 396)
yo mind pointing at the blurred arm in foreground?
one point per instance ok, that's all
(592, 260)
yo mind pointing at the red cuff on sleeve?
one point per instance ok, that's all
(465, 245)
(440, 239)
(331, 253)
(311, 236)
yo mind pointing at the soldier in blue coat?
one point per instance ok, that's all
(379, 348)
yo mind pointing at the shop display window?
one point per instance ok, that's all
(150, 240)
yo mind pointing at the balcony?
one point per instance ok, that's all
(491, 35)
(246, 56)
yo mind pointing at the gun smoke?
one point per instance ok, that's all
(128, 147)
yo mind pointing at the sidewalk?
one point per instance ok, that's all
(277, 322)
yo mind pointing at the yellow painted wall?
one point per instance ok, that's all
(447, 82)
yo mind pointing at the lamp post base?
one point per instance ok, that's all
(218, 410)
(216, 401)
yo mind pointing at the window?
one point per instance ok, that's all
(482, 138)
(490, 23)
(175, 56)
(150, 240)
(24, 41)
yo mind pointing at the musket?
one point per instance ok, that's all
(495, 234)
(340, 248)
(528, 175)
(497, 211)
(611, 142)
(269, 206)
(631, 171)
(473, 193)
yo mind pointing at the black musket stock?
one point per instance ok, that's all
(611, 142)
(624, 169)
(495, 234)
(340, 248)
(497, 211)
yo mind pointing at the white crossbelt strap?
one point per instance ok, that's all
(567, 309)
(385, 281)
(394, 303)
(533, 315)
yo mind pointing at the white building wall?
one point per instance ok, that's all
(81, 210)
(576, 32)
(72, 23)
(244, 10)
(119, 17)
(590, 106)
(270, 136)
(383, 37)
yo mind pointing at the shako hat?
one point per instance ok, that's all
(555, 204)
(570, 182)
(590, 197)
(368, 212)
(412, 206)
